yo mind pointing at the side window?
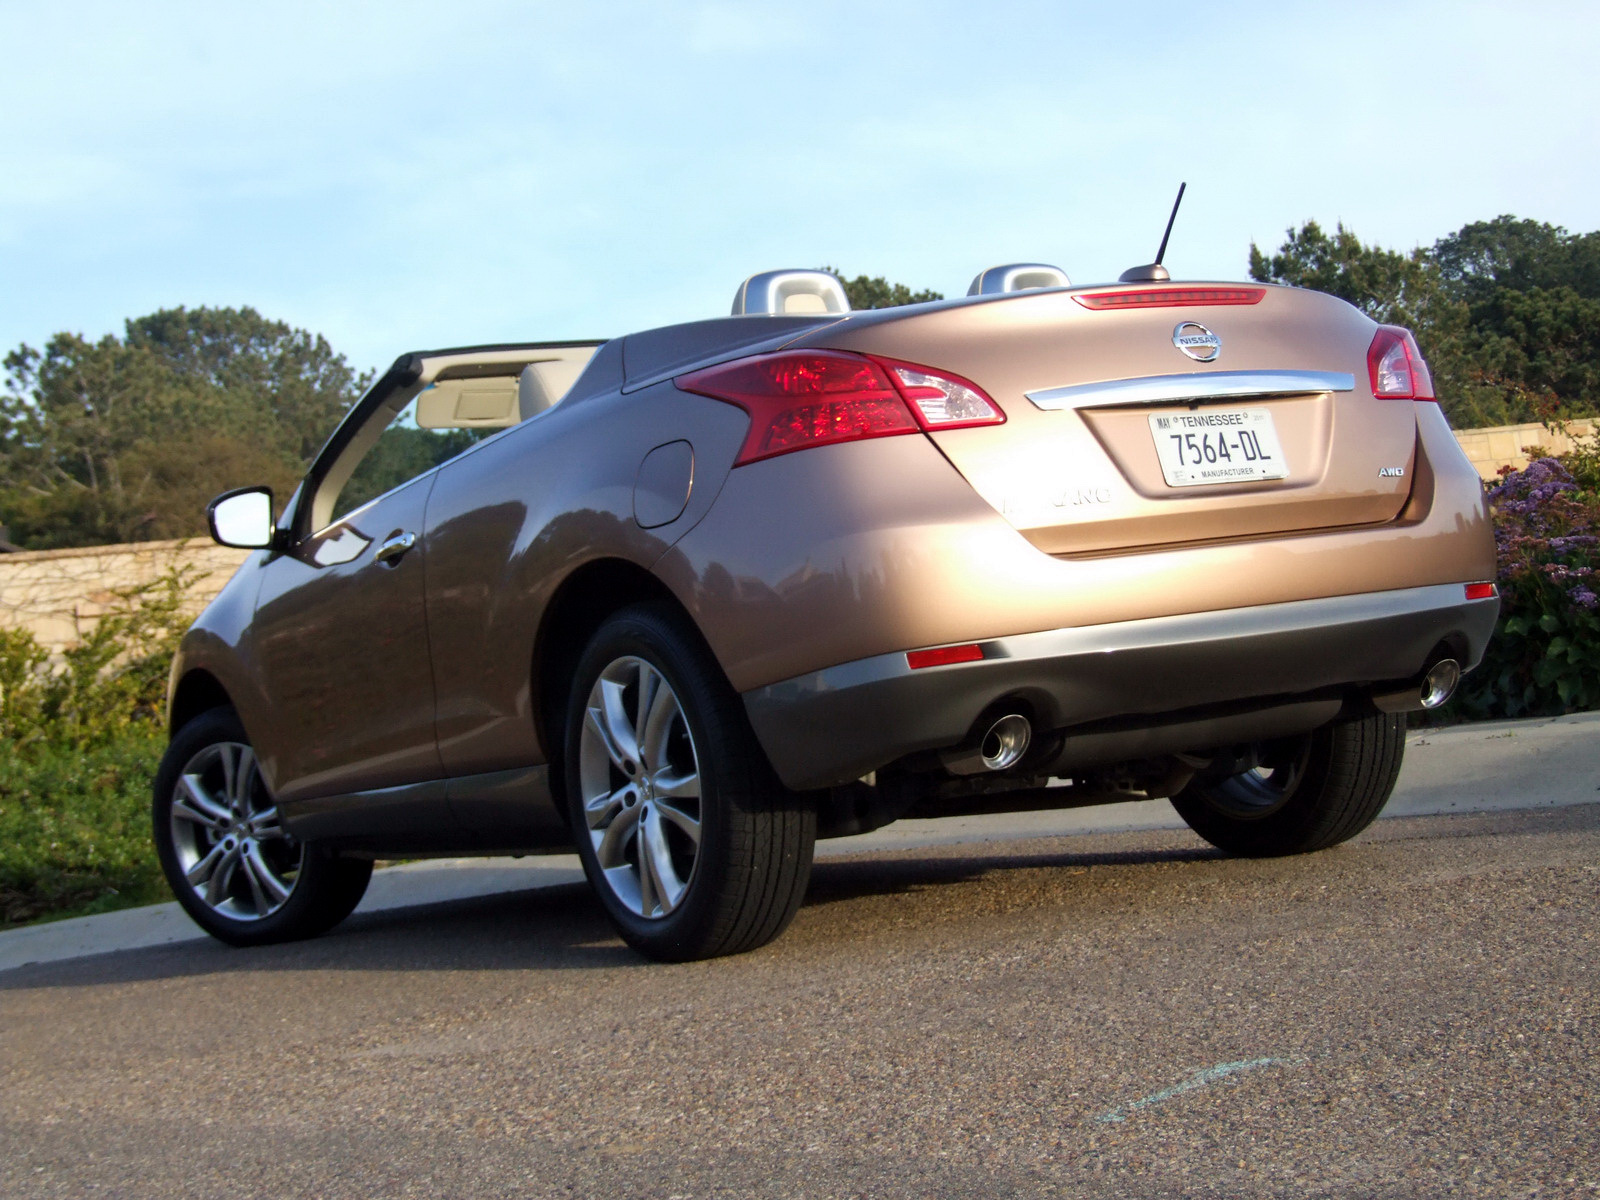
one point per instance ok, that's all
(402, 452)
(439, 423)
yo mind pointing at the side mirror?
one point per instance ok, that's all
(242, 518)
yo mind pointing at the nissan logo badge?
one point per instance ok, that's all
(1198, 342)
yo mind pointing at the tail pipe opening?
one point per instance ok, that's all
(1436, 684)
(1001, 745)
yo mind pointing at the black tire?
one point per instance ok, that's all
(226, 814)
(692, 876)
(1310, 793)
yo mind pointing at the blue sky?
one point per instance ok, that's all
(400, 176)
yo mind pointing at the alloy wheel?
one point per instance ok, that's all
(230, 844)
(640, 777)
(1265, 789)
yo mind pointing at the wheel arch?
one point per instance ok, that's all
(577, 608)
(198, 691)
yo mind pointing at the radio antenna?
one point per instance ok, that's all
(1155, 272)
(1162, 253)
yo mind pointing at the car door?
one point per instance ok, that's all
(341, 643)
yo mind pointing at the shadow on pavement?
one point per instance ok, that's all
(843, 879)
(547, 929)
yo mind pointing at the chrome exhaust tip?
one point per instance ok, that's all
(1439, 684)
(1005, 742)
(1001, 747)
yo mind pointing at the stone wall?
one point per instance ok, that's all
(1503, 446)
(58, 594)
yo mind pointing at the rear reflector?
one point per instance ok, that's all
(802, 398)
(1480, 591)
(1395, 366)
(944, 656)
(1171, 297)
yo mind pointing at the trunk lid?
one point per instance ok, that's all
(1076, 467)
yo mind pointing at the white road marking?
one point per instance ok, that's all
(1198, 1080)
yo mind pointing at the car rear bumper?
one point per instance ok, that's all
(831, 726)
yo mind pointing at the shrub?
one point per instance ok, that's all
(75, 826)
(1544, 658)
(83, 737)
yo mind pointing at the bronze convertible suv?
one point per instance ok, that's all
(689, 599)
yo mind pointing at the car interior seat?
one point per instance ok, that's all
(1018, 277)
(790, 293)
(542, 384)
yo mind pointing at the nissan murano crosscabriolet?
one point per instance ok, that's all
(689, 599)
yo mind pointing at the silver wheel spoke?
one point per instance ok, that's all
(656, 724)
(603, 808)
(617, 724)
(615, 839)
(650, 691)
(264, 879)
(230, 776)
(196, 805)
(649, 896)
(594, 721)
(655, 861)
(222, 878)
(266, 825)
(689, 825)
(258, 895)
(678, 787)
(244, 774)
(206, 867)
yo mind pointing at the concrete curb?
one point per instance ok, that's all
(1485, 767)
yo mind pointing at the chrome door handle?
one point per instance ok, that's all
(394, 548)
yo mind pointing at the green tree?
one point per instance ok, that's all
(1506, 311)
(878, 292)
(126, 439)
(1481, 258)
(1389, 287)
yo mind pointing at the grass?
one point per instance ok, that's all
(75, 828)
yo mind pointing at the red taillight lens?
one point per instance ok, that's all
(1480, 591)
(944, 656)
(805, 398)
(802, 398)
(1171, 297)
(1396, 367)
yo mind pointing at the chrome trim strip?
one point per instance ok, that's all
(1193, 385)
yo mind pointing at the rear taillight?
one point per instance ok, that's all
(802, 398)
(942, 401)
(1481, 591)
(1396, 367)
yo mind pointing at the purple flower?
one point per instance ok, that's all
(1583, 597)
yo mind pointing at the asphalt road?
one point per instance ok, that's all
(1124, 1014)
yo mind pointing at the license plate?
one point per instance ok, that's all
(1219, 445)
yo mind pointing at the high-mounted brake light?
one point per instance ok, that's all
(1396, 367)
(1171, 297)
(802, 398)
